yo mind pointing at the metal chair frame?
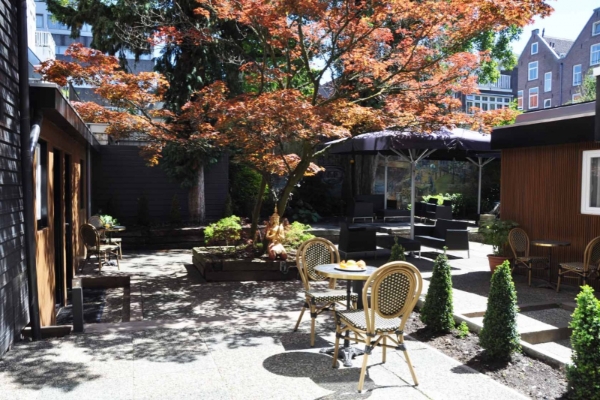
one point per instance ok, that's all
(96, 222)
(591, 257)
(521, 245)
(91, 241)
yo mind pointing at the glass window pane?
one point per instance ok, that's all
(39, 20)
(595, 182)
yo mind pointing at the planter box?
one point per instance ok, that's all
(215, 269)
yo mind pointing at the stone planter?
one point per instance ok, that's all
(217, 269)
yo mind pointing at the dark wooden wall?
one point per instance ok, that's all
(14, 313)
(541, 190)
(121, 174)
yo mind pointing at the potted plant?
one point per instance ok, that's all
(108, 221)
(496, 234)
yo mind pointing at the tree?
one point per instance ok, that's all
(587, 89)
(438, 311)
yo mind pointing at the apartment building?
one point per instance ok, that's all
(551, 70)
(492, 95)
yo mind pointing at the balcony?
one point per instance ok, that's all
(502, 84)
(45, 47)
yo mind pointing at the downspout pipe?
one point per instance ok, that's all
(560, 79)
(27, 144)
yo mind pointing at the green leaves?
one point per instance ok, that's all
(496, 234)
(397, 251)
(438, 311)
(499, 335)
(584, 372)
(228, 230)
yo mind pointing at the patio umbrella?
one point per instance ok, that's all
(412, 147)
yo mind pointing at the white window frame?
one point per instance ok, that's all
(594, 25)
(585, 182)
(535, 46)
(520, 96)
(575, 97)
(548, 82)
(597, 51)
(580, 74)
(530, 67)
(549, 102)
(538, 98)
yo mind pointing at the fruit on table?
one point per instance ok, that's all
(351, 263)
(361, 264)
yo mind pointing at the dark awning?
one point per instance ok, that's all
(568, 124)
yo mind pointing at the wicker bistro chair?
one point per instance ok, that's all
(586, 269)
(394, 290)
(96, 222)
(519, 244)
(313, 252)
(93, 245)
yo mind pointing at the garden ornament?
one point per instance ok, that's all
(275, 235)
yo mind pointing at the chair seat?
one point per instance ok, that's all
(577, 266)
(533, 260)
(113, 240)
(107, 247)
(356, 318)
(320, 295)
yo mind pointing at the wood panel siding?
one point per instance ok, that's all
(14, 312)
(541, 190)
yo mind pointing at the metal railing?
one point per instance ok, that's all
(44, 42)
(503, 83)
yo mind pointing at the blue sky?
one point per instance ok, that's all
(566, 21)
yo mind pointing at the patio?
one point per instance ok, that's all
(194, 339)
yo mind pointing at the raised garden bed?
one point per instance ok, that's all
(215, 266)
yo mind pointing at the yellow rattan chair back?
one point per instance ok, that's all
(313, 252)
(591, 255)
(519, 242)
(395, 289)
(90, 236)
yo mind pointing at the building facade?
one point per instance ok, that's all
(491, 96)
(551, 70)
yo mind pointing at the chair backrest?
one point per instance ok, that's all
(394, 289)
(362, 209)
(90, 235)
(313, 252)
(377, 200)
(591, 255)
(442, 225)
(96, 222)
(519, 242)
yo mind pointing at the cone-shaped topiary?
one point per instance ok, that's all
(584, 372)
(437, 312)
(397, 253)
(499, 336)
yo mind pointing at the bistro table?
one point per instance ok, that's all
(109, 231)
(331, 271)
(550, 244)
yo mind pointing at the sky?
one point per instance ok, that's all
(566, 22)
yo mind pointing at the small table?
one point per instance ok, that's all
(114, 228)
(329, 270)
(550, 244)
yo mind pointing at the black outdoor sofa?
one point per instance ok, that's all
(379, 209)
(445, 233)
(433, 211)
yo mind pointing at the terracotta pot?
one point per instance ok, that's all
(495, 261)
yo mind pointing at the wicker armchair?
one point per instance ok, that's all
(313, 252)
(519, 244)
(96, 222)
(586, 269)
(93, 246)
(394, 291)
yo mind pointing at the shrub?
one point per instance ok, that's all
(496, 234)
(175, 214)
(499, 335)
(228, 230)
(462, 330)
(143, 211)
(584, 372)
(437, 312)
(295, 234)
(397, 252)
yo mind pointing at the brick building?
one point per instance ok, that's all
(551, 70)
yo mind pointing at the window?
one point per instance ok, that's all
(595, 54)
(487, 102)
(575, 97)
(533, 70)
(520, 100)
(534, 48)
(39, 20)
(548, 82)
(533, 98)
(590, 182)
(41, 185)
(577, 75)
(547, 103)
(54, 24)
(596, 28)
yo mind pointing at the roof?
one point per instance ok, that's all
(558, 45)
(573, 123)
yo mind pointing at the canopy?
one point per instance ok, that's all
(445, 144)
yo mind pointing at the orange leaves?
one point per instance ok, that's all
(486, 120)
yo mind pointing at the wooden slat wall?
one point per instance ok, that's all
(541, 190)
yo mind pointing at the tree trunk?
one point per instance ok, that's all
(293, 179)
(197, 201)
(258, 206)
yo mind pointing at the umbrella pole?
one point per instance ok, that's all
(385, 184)
(479, 189)
(413, 171)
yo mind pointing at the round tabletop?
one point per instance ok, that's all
(330, 271)
(550, 243)
(115, 228)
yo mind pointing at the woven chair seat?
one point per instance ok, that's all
(321, 295)
(577, 266)
(356, 318)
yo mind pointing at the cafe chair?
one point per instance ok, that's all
(93, 246)
(96, 222)
(394, 291)
(519, 244)
(313, 252)
(586, 269)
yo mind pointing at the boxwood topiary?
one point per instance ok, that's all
(499, 336)
(437, 312)
(397, 253)
(584, 372)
